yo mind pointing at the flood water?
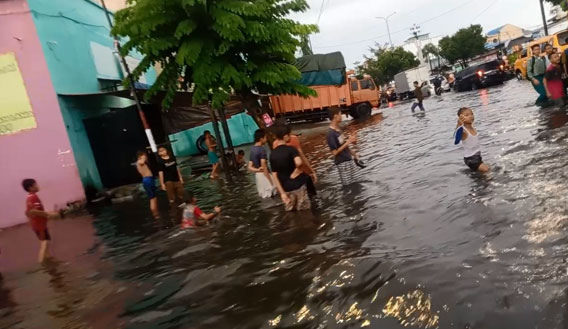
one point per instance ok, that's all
(419, 241)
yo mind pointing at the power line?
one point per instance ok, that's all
(321, 11)
(484, 10)
(398, 31)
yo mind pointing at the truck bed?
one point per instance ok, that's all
(327, 96)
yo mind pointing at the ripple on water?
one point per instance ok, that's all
(418, 241)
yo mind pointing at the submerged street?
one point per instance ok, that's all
(420, 241)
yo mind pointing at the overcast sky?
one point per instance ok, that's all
(350, 26)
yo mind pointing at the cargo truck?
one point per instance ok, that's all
(326, 74)
(404, 82)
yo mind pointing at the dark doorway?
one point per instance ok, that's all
(115, 137)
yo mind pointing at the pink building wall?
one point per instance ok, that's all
(43, 153)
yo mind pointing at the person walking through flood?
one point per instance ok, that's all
(147, 181)
(212, 153)
(536, 67)
(468, 136)
(344, 157)
(548, 50)
(552, 81)
(171, 180)
(287, 174)
(258, 164)
(419, 96)
(306, 165)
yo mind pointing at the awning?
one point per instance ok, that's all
(182, 115)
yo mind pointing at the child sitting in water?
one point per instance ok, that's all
(467, 135)
(193, 215)
(241, 159)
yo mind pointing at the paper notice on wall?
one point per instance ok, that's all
(15, 108)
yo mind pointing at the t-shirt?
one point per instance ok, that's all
(191, 214)
(418, 93)
(282, 162)
(334, 140)
(257, 153)
(295, 143)
(36, 222)
(169, 168)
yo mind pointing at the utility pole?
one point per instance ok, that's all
(543, 17)
(145, 124)
(386, 19)
(416, 31)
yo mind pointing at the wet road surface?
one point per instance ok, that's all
(419, 241)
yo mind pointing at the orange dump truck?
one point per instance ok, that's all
(326, 75)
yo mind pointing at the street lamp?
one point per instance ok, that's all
(386, 19)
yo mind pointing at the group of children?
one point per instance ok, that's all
(547, 75)
(291, 174)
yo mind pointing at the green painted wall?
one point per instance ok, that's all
(241, 128)
(66, 29)
(75, 109)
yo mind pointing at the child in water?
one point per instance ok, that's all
(467, 135)
(553, 80)
(193, 215)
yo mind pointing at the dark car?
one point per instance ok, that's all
(480, 76)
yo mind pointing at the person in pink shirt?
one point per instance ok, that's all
(553, 80)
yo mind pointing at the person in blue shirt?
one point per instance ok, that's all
(344, 156)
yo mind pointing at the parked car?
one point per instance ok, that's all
(480, 76)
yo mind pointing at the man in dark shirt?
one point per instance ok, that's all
(339, 147)
(170, 176)
(287, 174)
(419, 96)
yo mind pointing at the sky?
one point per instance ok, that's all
(351, 26)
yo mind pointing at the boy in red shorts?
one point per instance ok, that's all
(37, 216)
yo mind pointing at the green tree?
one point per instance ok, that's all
(216, 46)
(562, 3)
(463, 45)
(430, 49)
(385, 63)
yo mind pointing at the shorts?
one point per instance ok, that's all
(347, 171)
(299, 200)
(42, 234)
(213, 159)
(187, 223)
(263, 186)
(149, 186)
(312, 192)
(174, 189)
(474, 161)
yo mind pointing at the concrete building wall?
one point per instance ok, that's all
(507, 32)
(83, 65)
(44, 152)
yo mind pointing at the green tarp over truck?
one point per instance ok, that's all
(322, 69)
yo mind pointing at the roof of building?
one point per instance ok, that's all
(496, 31)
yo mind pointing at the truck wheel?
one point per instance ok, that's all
(363, 110)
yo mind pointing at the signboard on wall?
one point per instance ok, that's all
(15, 108)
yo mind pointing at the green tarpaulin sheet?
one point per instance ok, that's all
(325, 78)
(321, 62)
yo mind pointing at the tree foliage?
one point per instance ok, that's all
(561, 3)
(385, 63)
(216, 46)
(430, 49)
(463, 45)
